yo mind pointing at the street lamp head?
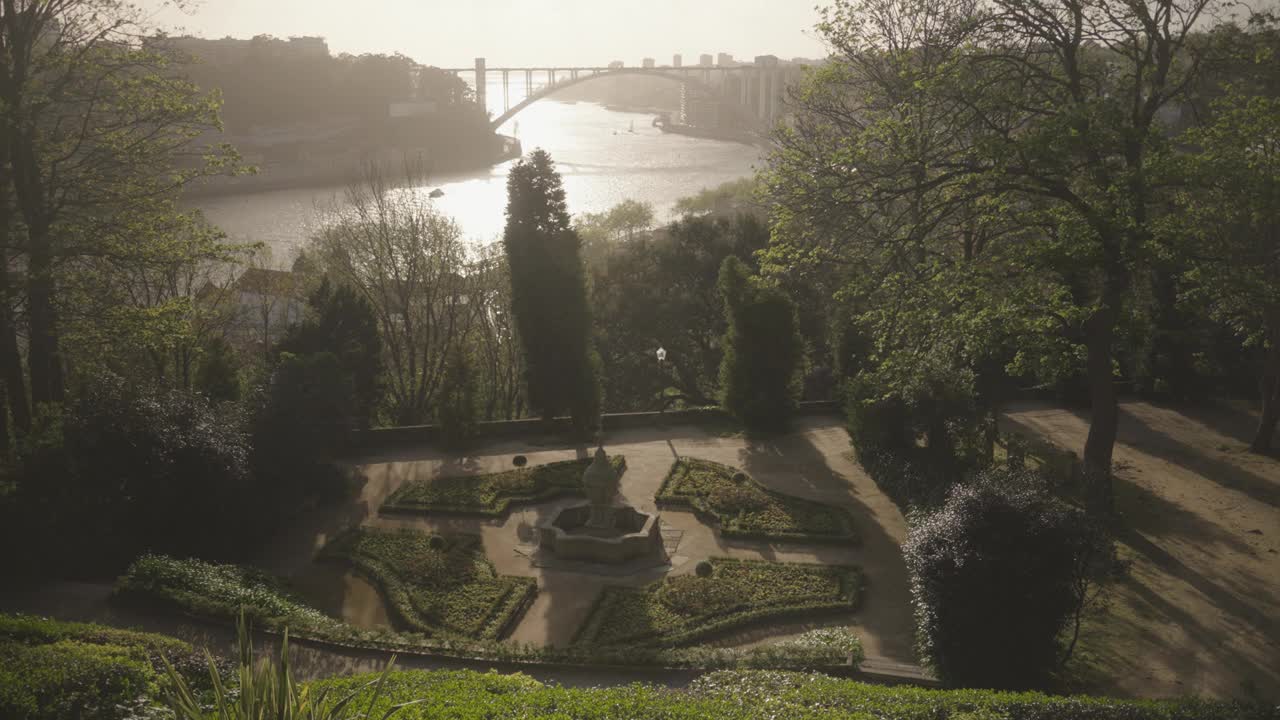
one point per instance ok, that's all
(662, 354)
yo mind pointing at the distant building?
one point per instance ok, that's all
(705, 60)
(616, 65)
(676, 60)
(229, 50)
(767, 60)
(265, 303)
(647, 63)
(724, 60)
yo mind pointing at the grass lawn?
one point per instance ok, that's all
(493, 494)
(681, 609)
(435, 584)
(745, 508)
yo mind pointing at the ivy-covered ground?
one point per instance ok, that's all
(436, 584)
(745, 508)
(493, 494)
(685, 608)
(750, 695)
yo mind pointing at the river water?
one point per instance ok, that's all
(604, 156)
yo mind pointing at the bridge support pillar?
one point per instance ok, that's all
(481, 98)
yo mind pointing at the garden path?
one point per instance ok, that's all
(814, 461)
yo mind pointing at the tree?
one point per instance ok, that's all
(994, 159)
(1230, 224)
(343, 323)
(549, 295)
(762, 349)
(410, 263)
(218, 371)
(457, 410)
(999, 574)
(94, 126)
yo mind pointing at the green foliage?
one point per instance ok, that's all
(130, 466)
(449, 590)
(492, 494)
(51, 670)
(343, 323)
(703, 569)
(762, 349)
(549, 295)
(266, 690)
(732, 197)
(998, 573)
(660, 291)
(218, 371)
(456, 412)
(683, 608)
(839, 643)
(748, 509)
(753, 695)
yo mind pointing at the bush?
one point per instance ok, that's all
(681, 609)
(492, 494)
(456, 411)
(124, 469)
(439, 588)
(703, 569)
(997, 574)
(218, 371)
(53, 670)
(762, 350)
(745, 508)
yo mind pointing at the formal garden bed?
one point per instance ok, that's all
(436, 584)
(221, 593)
(743, 508)
(493, 494)
(723, 595)
(52, 669)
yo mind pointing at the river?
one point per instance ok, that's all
(604, 156)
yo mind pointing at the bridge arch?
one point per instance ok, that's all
(684, 79)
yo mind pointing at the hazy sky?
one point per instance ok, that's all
(518, 32)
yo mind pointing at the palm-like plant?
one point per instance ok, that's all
(266, 690)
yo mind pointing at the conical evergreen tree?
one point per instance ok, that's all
(548, 288)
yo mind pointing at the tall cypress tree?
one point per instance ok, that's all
(548, 288)
(762, 349)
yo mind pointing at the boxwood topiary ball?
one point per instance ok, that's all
(739, 477)
(703, 569)
(436, 542)
(519, 461)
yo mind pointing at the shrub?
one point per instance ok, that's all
(492, 494)
(745, 508)
(997, 574)
(218, 371)
(762, 349)
(126, 471)
(436, 542)
(456, 411)
(703, 569)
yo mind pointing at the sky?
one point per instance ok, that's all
(452, 33)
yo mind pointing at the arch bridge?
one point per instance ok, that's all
(751, 93)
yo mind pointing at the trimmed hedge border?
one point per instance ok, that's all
(205, 605)
(667, 499)
(499, 618)
(501, 507)
(720, 621)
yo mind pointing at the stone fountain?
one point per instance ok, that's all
(602, 530)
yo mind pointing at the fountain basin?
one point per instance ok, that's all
(631, 534)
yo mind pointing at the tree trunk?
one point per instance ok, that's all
(1270, 387)
(1098, 446)
(44, 361)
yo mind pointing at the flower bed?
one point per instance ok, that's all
(493, 494)
(443, 586)
(744, 508)
(679, 610)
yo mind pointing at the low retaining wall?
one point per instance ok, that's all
(409, 436)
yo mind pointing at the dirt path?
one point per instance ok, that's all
(1199, 611)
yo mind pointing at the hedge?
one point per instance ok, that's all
(749, 510)
(436, 588)
(751, 695)
(52, 670)
(493, 494)
(681, 609)
(196, 588)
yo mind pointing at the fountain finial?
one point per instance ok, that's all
(600, 482)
